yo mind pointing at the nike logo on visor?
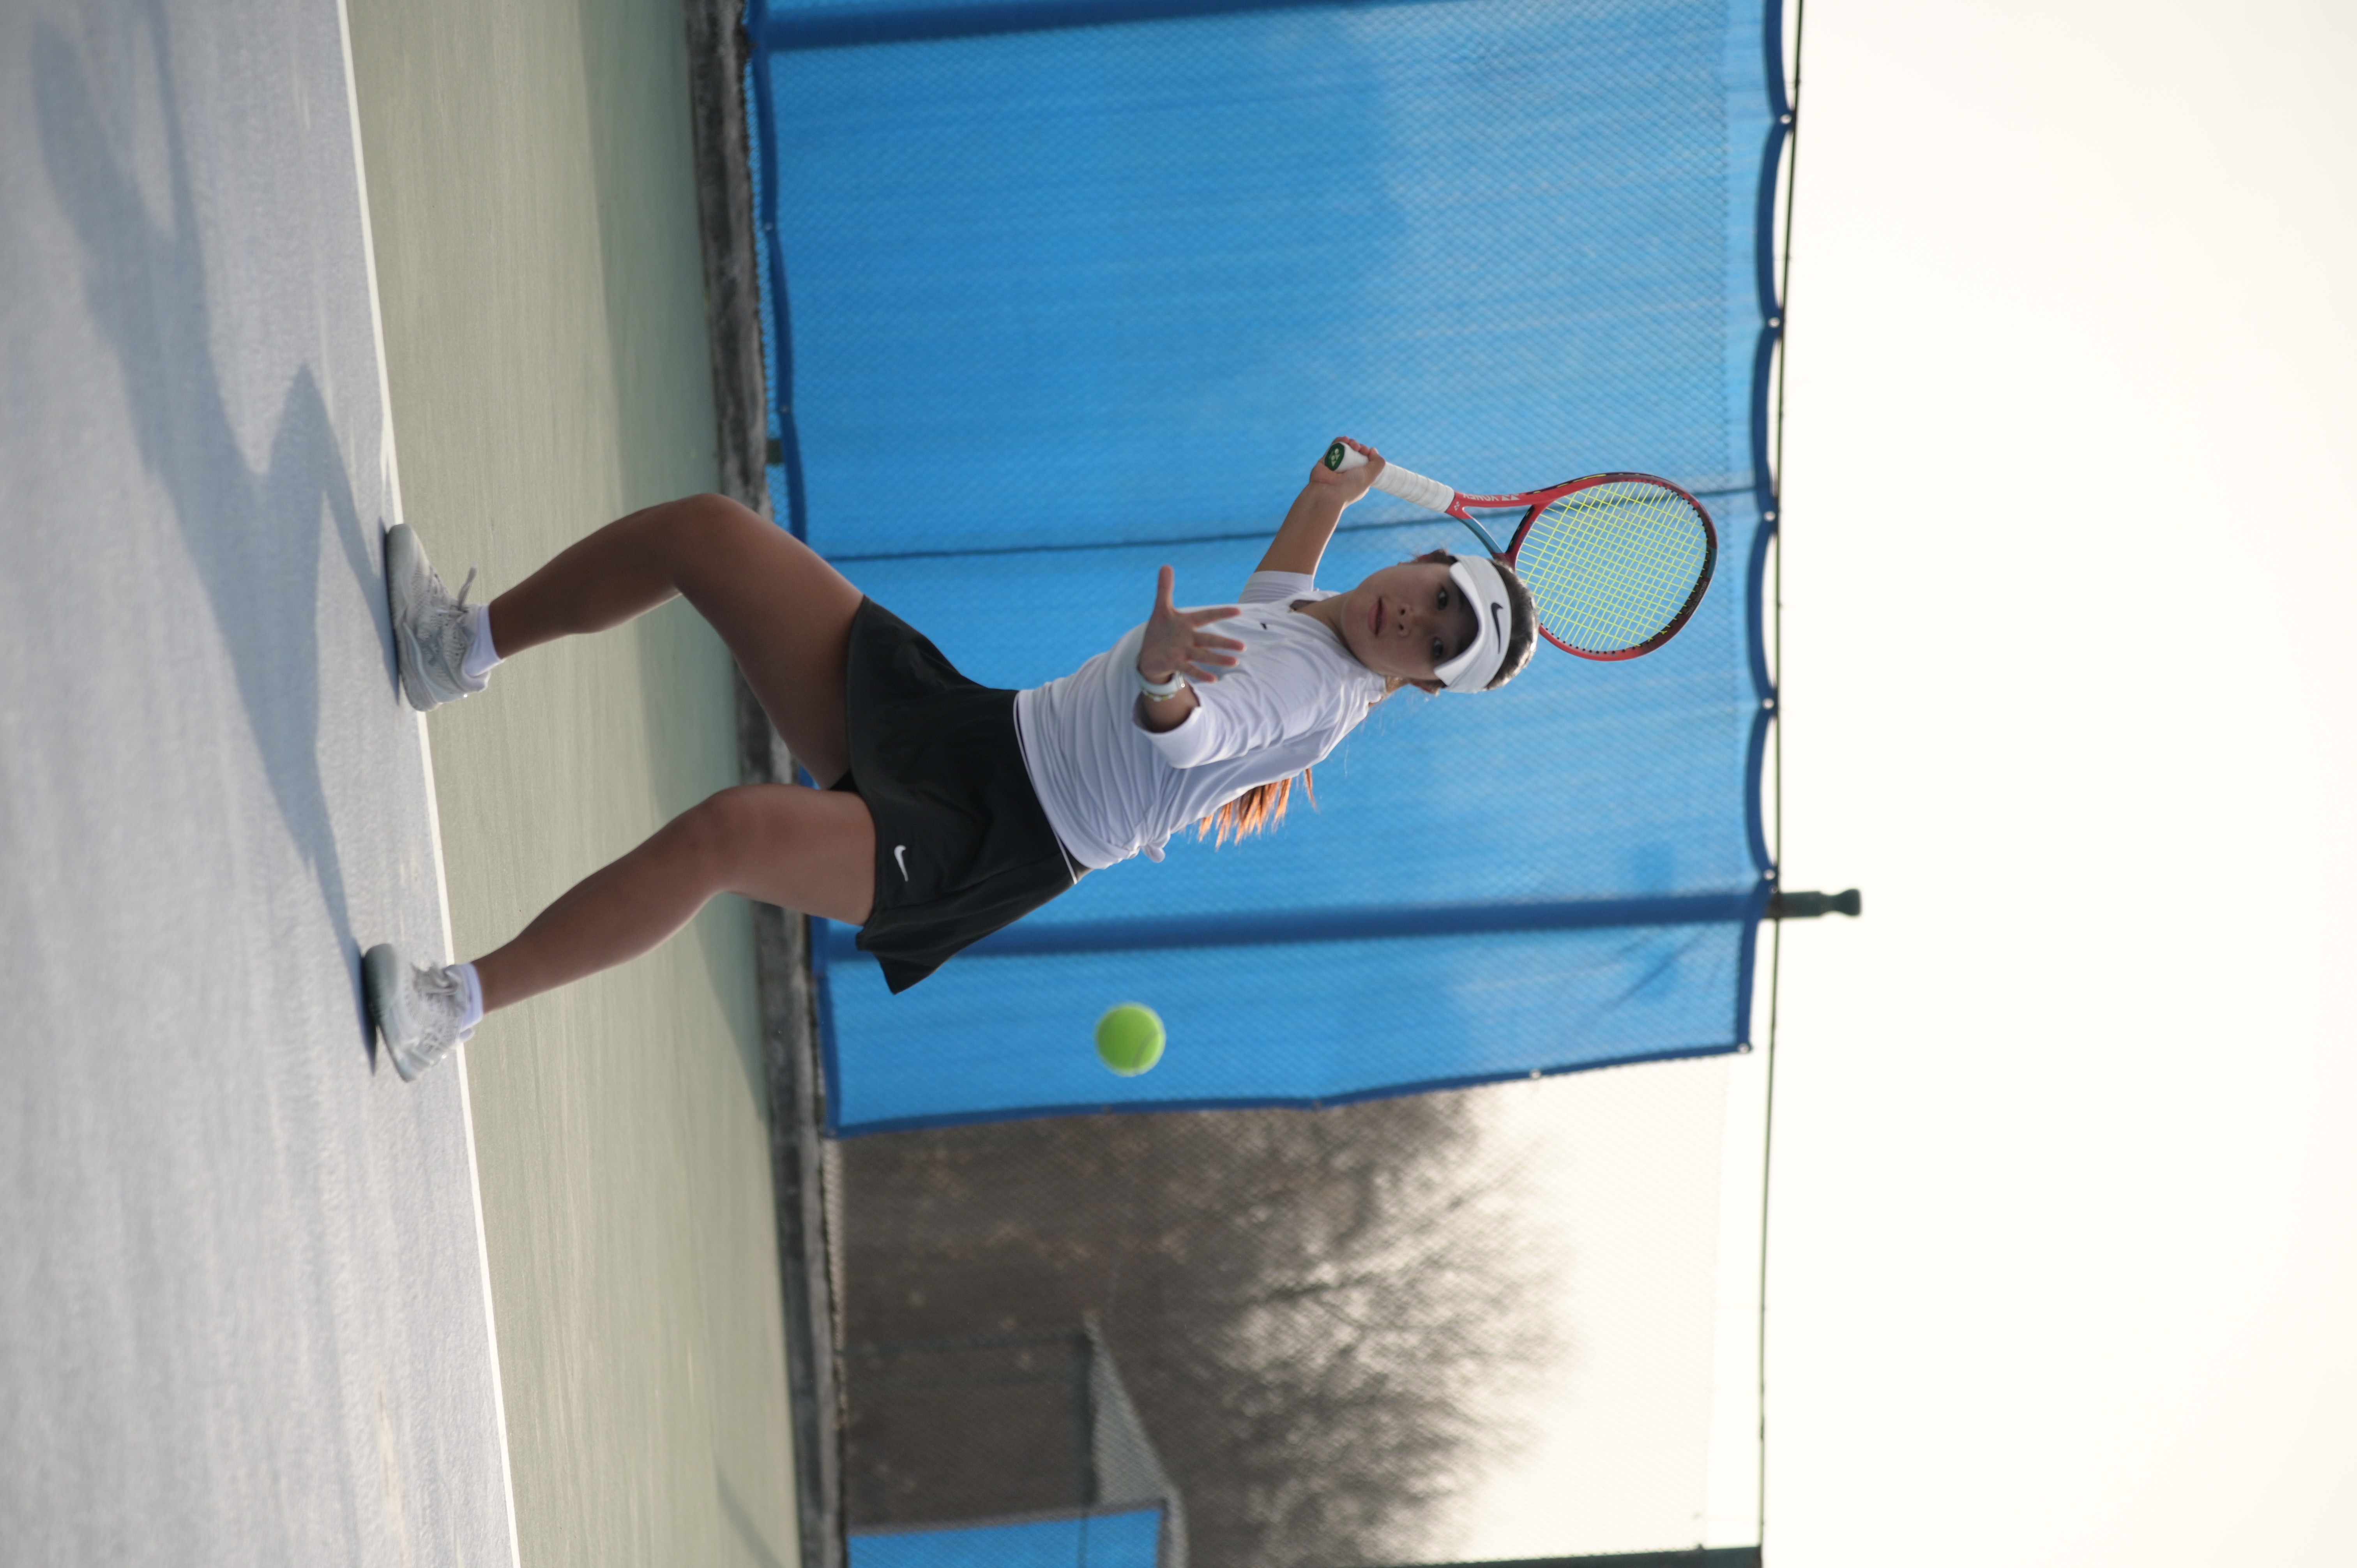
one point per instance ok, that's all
(900, 858)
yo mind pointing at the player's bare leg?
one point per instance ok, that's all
(786, 616)
(806, 850)
(784, 612)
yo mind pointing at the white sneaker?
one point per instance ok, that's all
(429, 627)
(421, 1011)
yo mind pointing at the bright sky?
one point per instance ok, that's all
(2065, 1234)
(2065, 1241)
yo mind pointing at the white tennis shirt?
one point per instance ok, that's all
(1112, 788)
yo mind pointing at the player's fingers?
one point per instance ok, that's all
(1205, 618)
(1213, 640)
(1164, 583)
(1374, 463)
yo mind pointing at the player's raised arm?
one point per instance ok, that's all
(1301, 539)
(1176, 650)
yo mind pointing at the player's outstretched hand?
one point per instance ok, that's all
(1176, 644)
(1351, 483)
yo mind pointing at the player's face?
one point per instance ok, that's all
(1407, 621)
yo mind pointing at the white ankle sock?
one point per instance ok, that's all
(465, 971)
(481, 656)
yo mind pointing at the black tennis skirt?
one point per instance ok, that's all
(962, 845)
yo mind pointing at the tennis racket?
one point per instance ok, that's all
(1616, 563)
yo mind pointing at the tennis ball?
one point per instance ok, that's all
(1129, 1038)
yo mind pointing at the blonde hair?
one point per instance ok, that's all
(1255, 810)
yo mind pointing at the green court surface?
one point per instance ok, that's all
(529, 170)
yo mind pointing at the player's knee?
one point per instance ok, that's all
(717, 833)
(703, 523)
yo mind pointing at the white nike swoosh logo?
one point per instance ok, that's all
(900, 858)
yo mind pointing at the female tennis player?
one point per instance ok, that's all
(946, 809)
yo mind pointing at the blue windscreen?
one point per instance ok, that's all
(1130, 1539)
(1059, 293)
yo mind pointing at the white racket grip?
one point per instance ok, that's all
(1430, 494)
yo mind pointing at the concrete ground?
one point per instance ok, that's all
(537, 251)
(242, 1306)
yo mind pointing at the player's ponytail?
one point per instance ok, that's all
(1257, 809)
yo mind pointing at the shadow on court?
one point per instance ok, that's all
(242, 1310)
(145, 283)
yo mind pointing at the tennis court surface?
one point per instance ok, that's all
(242, 1306)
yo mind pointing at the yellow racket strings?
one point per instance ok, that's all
(1611, 565)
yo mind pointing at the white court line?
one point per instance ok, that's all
(392, 480)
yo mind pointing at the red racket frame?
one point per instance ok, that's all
(1537, 502)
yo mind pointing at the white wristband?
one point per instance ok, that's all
(1161, 691)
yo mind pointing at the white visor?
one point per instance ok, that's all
(1484, 588)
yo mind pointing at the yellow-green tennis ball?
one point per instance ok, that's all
(1129, 1038)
